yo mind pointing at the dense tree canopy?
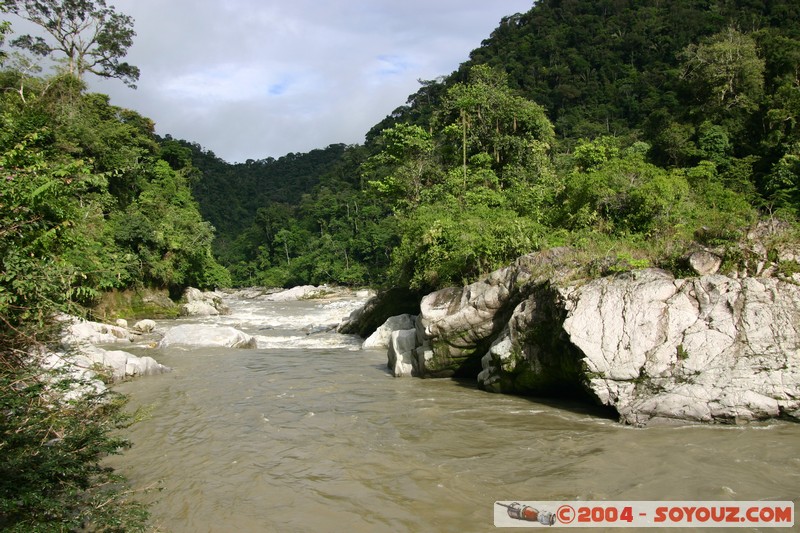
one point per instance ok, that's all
(608, 123)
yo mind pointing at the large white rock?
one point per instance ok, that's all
(118, 363)
(199, 303)
(199, 335)
(711, 348)
(401, 352)
(655, 348)
(380, 338)
(145, 326)
(302, 292)
(198, 308)
(79, 332)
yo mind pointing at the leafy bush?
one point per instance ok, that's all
(51, 476)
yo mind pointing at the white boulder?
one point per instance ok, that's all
(380, 338)
(200, 335)
(401, 353)
(145, 326)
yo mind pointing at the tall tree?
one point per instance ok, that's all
(88, 35)
(726, 73)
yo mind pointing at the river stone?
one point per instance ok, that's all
(302, 292)
(401, 352)
(119, 364)
(381, 337)
(198, 308)
(705, 263)
(200, 335)
(145, 326)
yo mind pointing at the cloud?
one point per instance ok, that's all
(249, 79)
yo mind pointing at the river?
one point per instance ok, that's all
(309, 433)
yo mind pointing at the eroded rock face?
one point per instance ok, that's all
(456, 326)
(401, 353)
(706, 349)
(656, 348)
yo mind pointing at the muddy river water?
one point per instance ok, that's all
(309, 433)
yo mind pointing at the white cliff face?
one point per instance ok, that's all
(706, 349)
(710, 348)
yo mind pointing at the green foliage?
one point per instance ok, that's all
(87, 34)
(51, 476)
(726, 75)
(231, 195)
(86, 205)
(444, 245)
(783, 182)
(624, 129)
(403, 167)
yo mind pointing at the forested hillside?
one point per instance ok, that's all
(231, 195)
(630, 130)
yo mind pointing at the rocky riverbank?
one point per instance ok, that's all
(709, 348)
(85, 355)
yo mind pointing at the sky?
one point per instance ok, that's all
(251, 79)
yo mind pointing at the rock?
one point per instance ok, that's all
(200, 303)
(364, 320)
(380, 338)
(705, 263)
(654, 348)
(199, 335)
(401, 353)
(119, 364)
(121, 323)
(458, 325)
(249, 293)
(80, 332)
(80, 362)
(533, 354)
(145, 326)
(84, 382)
(303, 292)
(198, 309)
(709, 349)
